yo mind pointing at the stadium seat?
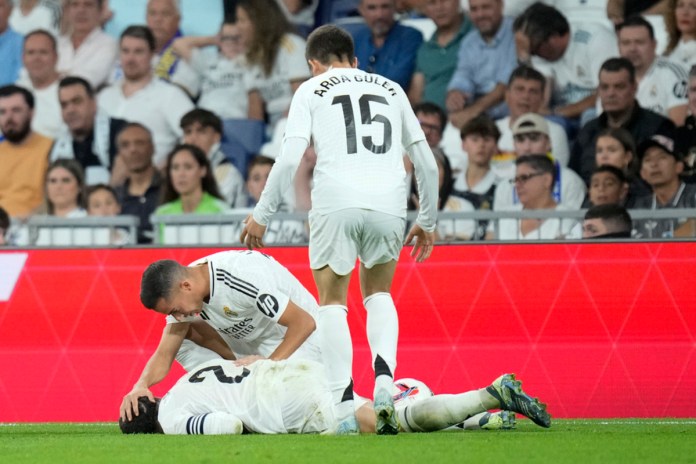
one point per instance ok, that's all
(242, 140)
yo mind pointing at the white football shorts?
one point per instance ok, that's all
(337, 239)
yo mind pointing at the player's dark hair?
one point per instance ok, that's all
(9, 90)
(76, 80)
(139, 32)
(615, 218)
(528, 73)
(145, 421)
(330, 43)
(204, 117)
(618, 64)
(636, 21)
(538, 162)
(539, 22)
(158, 281)
(481, 125)
(431, 108)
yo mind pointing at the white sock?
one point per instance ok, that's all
(440, 411)
(337, 355)
(472, 423)
(383, 336)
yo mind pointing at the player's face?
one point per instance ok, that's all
(62, 188)
(163, 19)
(659, 168)
(442, 12)
(39, 57)
(636, 45)
(202, 137)
(593, 228)
(185, 173)
(685, 15)
(524, 96)
(486, 16)
(610, 151)
(102, 203)
(616, 91)
(258, 175)
(378, 15)
(182, 303)
(531, 143)
(77, 108)
(135, 58)
(606, 189)
(480, 149)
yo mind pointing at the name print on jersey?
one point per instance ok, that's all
(199, 376)
(332, 81)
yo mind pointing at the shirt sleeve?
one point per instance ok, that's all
(461, 79)
(426, 172)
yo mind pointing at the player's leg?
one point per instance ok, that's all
(332, 254)
(380, 248)
(334, 338)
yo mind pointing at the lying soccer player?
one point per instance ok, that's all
(293, 396)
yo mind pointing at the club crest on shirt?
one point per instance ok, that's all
(229, 313)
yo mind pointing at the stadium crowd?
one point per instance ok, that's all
(147, 108)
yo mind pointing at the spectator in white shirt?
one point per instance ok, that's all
(30, 15)
(662, 83)
(86, 51)
(140, 97)
(41, 78)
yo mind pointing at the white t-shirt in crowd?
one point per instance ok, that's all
(47, 119)
(158, 106)
(549, 229)
(664, 86)
(223, 84)
(93, 60)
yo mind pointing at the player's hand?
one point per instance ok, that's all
(424, 243)
(129, 405)
(252, 233)
(249, 360)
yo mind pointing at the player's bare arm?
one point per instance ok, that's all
(156, 369)
(300, 325)
(202, 334)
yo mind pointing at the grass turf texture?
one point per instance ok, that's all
(586, 441)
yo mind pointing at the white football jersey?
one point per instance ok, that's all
(360, 124)
(664, 86)
(267, 397)
(249, 292)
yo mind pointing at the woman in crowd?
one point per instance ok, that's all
(680, 21)
(533, 181)
(615, 147)
(275, 55)
(65, 183)
(190, 186)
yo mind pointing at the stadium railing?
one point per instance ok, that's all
(88, 231)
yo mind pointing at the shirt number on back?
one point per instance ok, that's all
(366, 117)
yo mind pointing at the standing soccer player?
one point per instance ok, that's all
(358, 123)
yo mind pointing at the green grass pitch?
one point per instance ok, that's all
(582, 441)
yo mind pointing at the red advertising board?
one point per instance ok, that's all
(594, 330)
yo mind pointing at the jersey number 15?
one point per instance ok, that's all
(366, 117)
